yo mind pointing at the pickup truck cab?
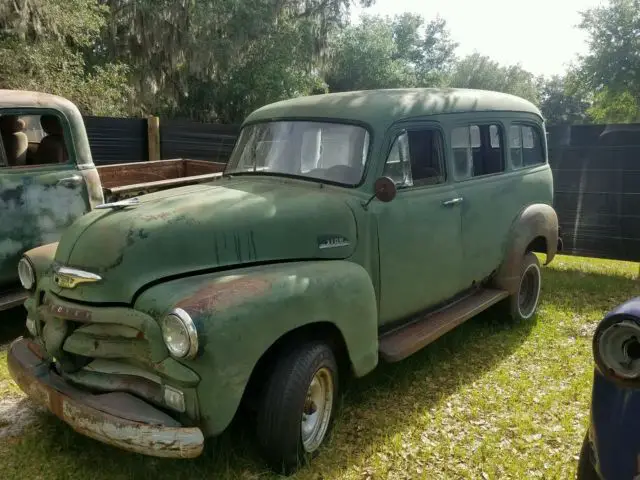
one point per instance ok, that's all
(347, 229)
(48, 178)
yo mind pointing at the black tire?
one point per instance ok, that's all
(586, 470)
(523, 304)
(284, 400)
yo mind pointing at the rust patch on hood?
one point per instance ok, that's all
(219, 296)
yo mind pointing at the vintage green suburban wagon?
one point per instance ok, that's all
(347, 228)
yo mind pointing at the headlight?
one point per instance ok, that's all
(616, 348)
(26, 274)
(179, 334)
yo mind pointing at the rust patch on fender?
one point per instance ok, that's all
(222, 295)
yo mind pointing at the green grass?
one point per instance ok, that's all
(489, 400)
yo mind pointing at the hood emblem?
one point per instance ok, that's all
(332, 242)
(66, 277)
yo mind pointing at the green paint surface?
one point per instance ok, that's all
(244, 255)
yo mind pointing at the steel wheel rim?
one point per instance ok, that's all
(317, 410)
(529, 291)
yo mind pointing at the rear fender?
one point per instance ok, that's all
(537, 220)
(240, 314)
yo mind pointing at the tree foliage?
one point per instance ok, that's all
(560, 103)
(611, 68)
(216, 60)
(383, 52)
(42, 44)
(479, 71)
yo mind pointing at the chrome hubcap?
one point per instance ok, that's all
(529, 291)
(317, 410)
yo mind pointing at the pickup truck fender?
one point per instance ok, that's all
(241, 314)
(535, 229)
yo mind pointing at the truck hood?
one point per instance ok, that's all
(231, 222)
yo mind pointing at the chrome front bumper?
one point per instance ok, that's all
(118, 419)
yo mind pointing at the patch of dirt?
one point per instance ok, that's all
(16, 414)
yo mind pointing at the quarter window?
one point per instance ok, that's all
(526, 146)
(477, 151)
(416, 158)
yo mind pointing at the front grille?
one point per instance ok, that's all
(112, 349)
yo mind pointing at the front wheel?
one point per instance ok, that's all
(297, 407)
(524, 303)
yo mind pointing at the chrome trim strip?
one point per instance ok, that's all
(128, 202)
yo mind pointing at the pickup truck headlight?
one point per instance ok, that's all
(27, 274)
(616, 348)
(180, 334)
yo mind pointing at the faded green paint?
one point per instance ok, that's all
(242, 255)
(241, 313)
(36, 203)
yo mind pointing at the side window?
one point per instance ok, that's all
(526, 146)
(477, 150)
(32, 140)
(417, 158)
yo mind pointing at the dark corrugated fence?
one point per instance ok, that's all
(597, 188)
(198, 141)
(117, 140)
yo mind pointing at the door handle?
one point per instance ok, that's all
(453, 201)
(70, 181)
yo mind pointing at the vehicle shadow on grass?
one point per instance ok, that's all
(372, 409)
(12, 324)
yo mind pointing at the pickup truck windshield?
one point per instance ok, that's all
(324, 151)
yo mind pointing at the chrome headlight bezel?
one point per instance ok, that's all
(181, 319)
(27, 274)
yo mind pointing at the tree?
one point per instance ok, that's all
(480, 72)
(383, 52)
(42, 45)
(611, 69)
(614, 107)
(560, 104)
(211, 59)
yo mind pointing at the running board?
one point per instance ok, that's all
(398, 344)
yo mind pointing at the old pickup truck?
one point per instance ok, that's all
(347, 229)
(48, 179)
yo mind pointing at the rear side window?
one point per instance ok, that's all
(32, 140)
(477, 151)
(525, 146)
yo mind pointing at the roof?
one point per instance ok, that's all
(24, 98)
(384, 107)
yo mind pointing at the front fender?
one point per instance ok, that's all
(239, 314)
(537, 220)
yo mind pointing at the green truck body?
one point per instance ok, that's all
(48, 178)
(347, 229)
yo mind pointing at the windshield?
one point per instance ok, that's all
(324, 151)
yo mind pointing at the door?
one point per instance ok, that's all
(489, 202)
(419, 231)
(41, 189)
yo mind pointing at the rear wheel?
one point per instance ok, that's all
(297, 407)
(524, 303)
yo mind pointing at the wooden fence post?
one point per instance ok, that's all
(153, 137)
